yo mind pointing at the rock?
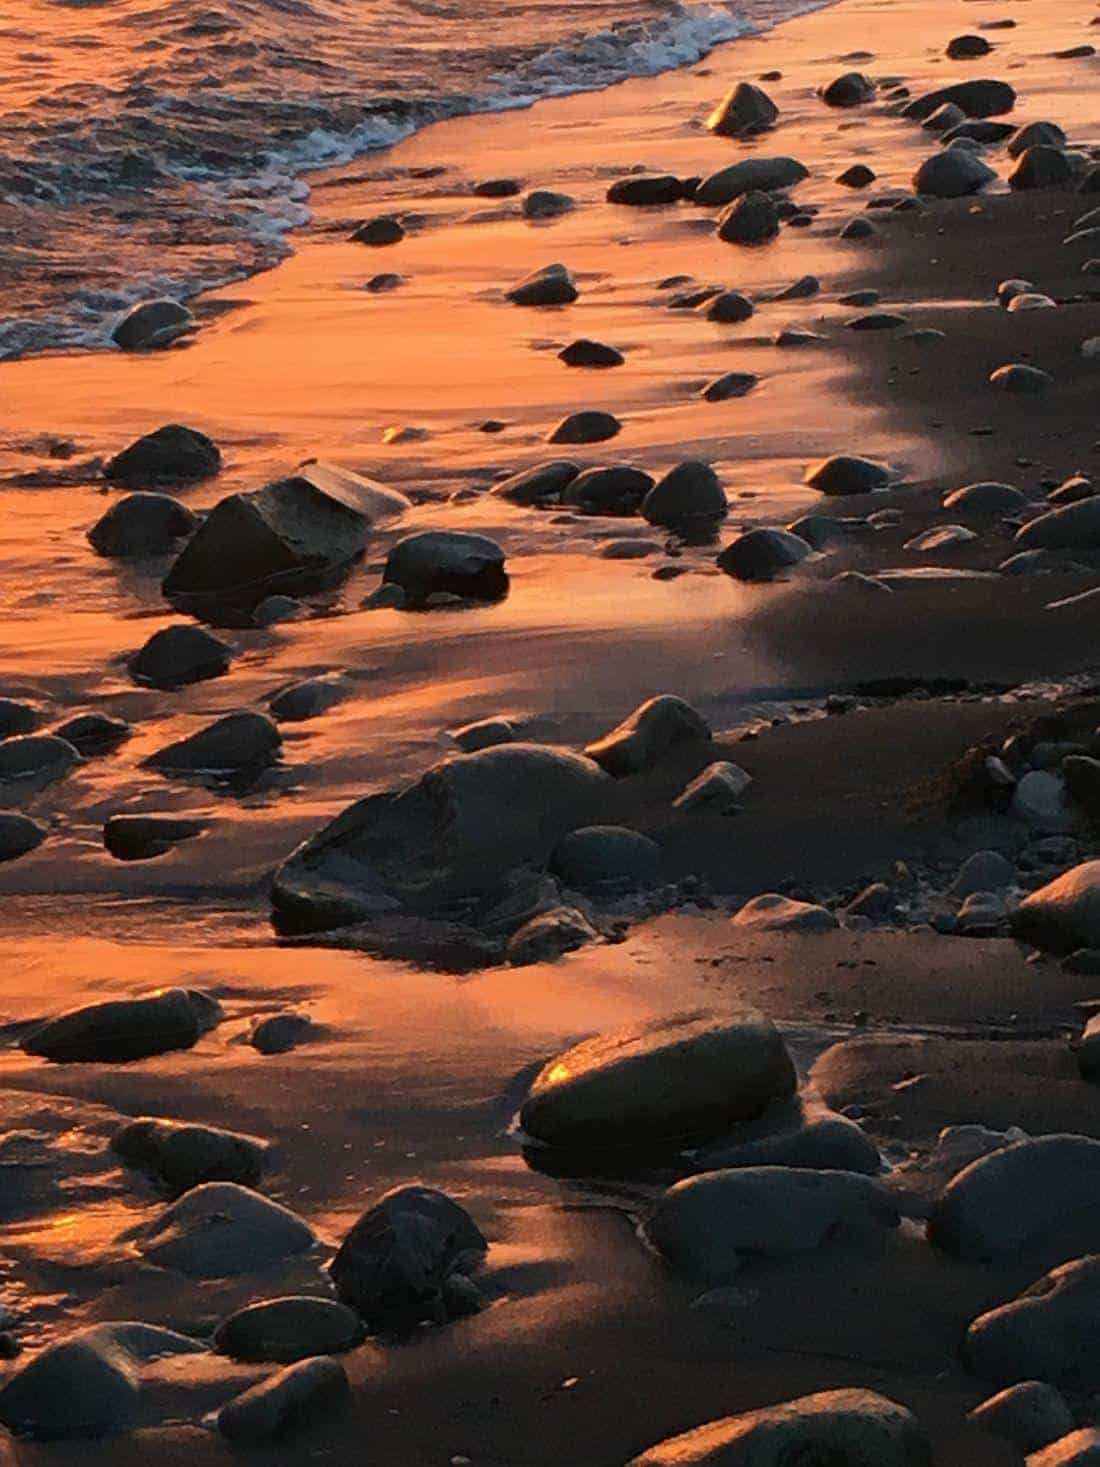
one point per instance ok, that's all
(275, 609)
(1031, 1415)
(220, 1230)
(704, 1226)
(982, 914)
(759, 554)
(447, 560)
(543, 484)
(283, 1401)
(384, 230)
(392, 1265)
(641, 190)
(745, 110)
(763, 174)
(461, 1296)
(642, 740)
(178, 655)
(1082, 776)
(19, 835)
(945, 119)
(118, 1031)
(1065, 913)
(801, 289)
(17, 717)
(940, 537)
(856, 1428)
(498, 188)
(587, 426)
(1078, 1449)
(606, 857)
(182, 1155)
(237, 743)
(551, 286)
(76, 1388)
(1035, 135)
(1040, 799)
(617, 489)
(173, 454)
(730, 308)
(629, 549)
(454, 834)
(1002, 1201)
(1019, 378)
(719, 787)
(35, 758)
(485, 734)
(828, 1143)
(985, 498)
(858, 228)
(849, 90)
(152, 324)
(980, 131)
(550, 935)
(729, 385)
(952, 174)
(279, 1033)
(690, 491)
(774, 913)
(1041, 167)
(308, 699)
(961, 48)
(142, 524)
(983, 871)
(1044, 1334)
(584, 353)
(658, 1083)
(977, 98)
(857, 176)
(752, 219)
(877, 321)
(846, 473)
(289, 1329)
(386, 280)
(1031, 303)
(1074, 526)
(1008, 290)
(1038, 562)
(144, 837)
(543, 203)
(875, 902)
(294, 535)
(1075, 488)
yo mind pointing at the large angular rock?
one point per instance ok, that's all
(119, 1030)
(1065, 913)
(641, 741)
(745, 110)
(183, 1155)
(142, 524)
(952, 174)
(296, 534)
(1047, 1333)
(848, 1428)
(765, 174)
(455, 834)
(393, 1264)
(662, 1082)
(979, 97)
(1003, 1200)
(174, 454)
(220, 1230)
(289, 1329)
(447, 560)
(705, 1227)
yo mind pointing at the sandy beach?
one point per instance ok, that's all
(901, 708)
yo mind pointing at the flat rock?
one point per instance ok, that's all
(825, 1143)
(1074, 526)
(643, 739)
(980, 97)
(182, 1154)
(644, 190)
(284, 1401)
(1021, 379)
(174, 454)
(119, 1030)
(289, 1329)
(220, 1230)
(774, 913)
(730, 385)
(142, 524)
(238, 743)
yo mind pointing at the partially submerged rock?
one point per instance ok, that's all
(980, 97)
(145, 837)
(153, 324)
(551, 286)
(220, 1230)
(174, 454)
(641, 741)
(119, 1030)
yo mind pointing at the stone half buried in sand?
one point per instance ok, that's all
(761, 553)
(553, 285)
(1064, 914)
(294, 535)
(846, 1428)
(1030, 1414)
(663, 1083)
(119, 1030)
(288, 1329)
(454, 835)
(1047, 1333)
(641, 741)
(774, 913)
(220, 1230)
(451, 562)
(706, 1227)
(183, 1155)
(233, 746)
(394, 1263)
(276, 1406)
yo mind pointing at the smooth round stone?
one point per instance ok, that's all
(587, 426)
(1021, 379)
(730, 385)
(19, 835)
(118, 1031)
(385, 230)
(284, 1400)
(847, 473)
(1031, 1414)
(614, 489)
(857, 176)
(961, 48)
(142, 524)
(35, 758)
(221, 1230)
(730, 308)
(176, 656)
(153, 324)
(849, 90)
(279, 1033)
(546, 204)
(17, 717)
(606, 856)
(774, 913)
(183, 1155)
(144, 837)
(237, 743)
(985, 498)
(542, 484)
(553, 285)
(584, 353)
(761, 553)
(743, 111)
(289, 1329)
(690, 491)
(308, 699)
(646, 190)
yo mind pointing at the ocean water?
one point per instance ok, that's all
(160, 147)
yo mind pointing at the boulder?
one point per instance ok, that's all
(450, 561)
(1031, 1415)
(730, 308)
(294, 535)
(152, 324)
(1065, 913)
(17, 717)
(774, 913)
(752, 219)
(745, 110)
(1021, 379)
(455, 834)
(763, 174)
(985, 498)
(94, 733)
(549, 935)
(847, 473)
(238, 743)
(1033, 135)
(1004, 1200)
(660, 1083)
(690, 491)
(1047, 1333)
(283, 1401)
(642, 190)
(590, 425)
(1041, 166)
(309, 699)
(760, 554)
(848, 1428)
(173, 454)
(606, 857)
(585, 353)
(144, 837)
(384, 230)
(612, 489)
(543, 484)
(643, 739)
(220, 1230)
(849, 90)
(551, 286)
(705, 1226)
(142, 524)
(19, 835)
(119, 1030)
(1073, 526)
(178, 655)
(977, 98)
(392, 1265)
(77, 1388)
(289, 1329)
(182, 1154)
(962, 48)
(952, 174)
